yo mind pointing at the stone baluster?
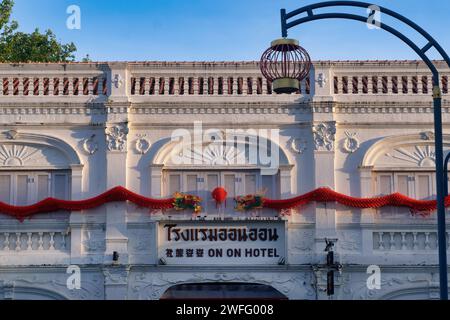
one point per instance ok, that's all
(380, 241)
(419, 84)
(18, 242)
(20, 86)
(157, 79)
(41, 241)
(392, 241)
(370, 84)
(216, 86)
(63, 240)
(415, 241)
(235, 85)
(427, 241)
(6, 243)
(52, 241)
(30, 241)
(51, 84)
(166, 85)
(264, 85)
(389, 85)
(404, 241)
(360, 85)
(147, 85)
(244, 86)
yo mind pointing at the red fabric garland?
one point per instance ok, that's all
(328, 195)
(120, 194)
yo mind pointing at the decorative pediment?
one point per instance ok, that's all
(408, 151)
(219, 153)
(31, 155)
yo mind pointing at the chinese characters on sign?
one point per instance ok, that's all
(204, 243)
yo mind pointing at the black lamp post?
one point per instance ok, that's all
(282, 65)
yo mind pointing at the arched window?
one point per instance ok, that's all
(34, 167)
(404, 164)
(199, 169)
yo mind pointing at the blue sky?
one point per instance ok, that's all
(197, 30)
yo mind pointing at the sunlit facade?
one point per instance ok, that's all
(73, 131)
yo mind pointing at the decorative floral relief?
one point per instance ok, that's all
(94, 240)
(351, 143)
(153, 286)
(428, 135)
(116, 276)
(349, 240)
(298, 145)
(321, 80)
(324, 136)
(11, 134)
(142, 144)
(116, 137)
(301, 241)
(118, 81)
(89, 145)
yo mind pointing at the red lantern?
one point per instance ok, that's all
(285, 64)
(219, 195)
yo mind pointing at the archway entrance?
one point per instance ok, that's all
(220, 291)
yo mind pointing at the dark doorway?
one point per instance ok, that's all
(220, 291)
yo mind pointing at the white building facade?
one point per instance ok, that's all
(73, 131)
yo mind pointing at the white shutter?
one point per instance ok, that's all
(21, 190)
(402, 184)
(42, 185)
(269, 185)
(191, 184)
(60, 186)
(423, 186)
(174, 184)
(230, 185)
(5, 188)
(212, 181)
(385, 184)
(250, 184)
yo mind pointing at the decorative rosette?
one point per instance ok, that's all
(249, 202)
(187, 202)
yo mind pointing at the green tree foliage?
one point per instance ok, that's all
(18, 46)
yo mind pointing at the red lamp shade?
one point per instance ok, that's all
(219, 195)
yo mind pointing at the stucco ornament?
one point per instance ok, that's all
(89, 145)
(116, 137)
(427, 136)
(142, 144)
(324, 136)
(298, 145)
(11, 134)
(321, 80)
(118, 81)
(351, 143)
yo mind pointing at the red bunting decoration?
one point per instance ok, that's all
(220, 196)
(328, 195)
(120, 194)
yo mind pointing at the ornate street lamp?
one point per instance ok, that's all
(285, 64)
(278, 69)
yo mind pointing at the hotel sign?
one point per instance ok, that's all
(222, 243)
